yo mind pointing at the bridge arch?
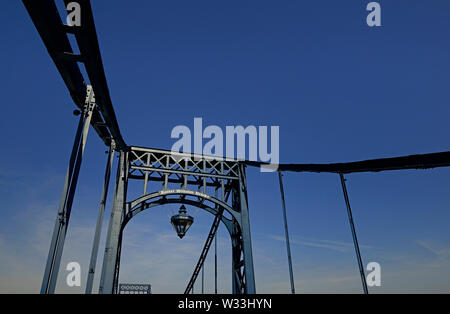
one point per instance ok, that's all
(162, 198)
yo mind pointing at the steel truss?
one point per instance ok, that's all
(177, 178)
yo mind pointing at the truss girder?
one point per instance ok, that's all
(54, 34)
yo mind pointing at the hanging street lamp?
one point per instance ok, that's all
(182, 222)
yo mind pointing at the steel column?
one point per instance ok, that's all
(286, 231)
(355, 239)
(65, 206)
(236, 250)
(110, 259)
(215, 247)
(245, 230)
(98, 229)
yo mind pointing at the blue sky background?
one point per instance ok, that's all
(339, 90)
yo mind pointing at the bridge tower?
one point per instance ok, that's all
(213, 184)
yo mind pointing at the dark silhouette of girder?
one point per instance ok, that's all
(54, 34)
(422, 161)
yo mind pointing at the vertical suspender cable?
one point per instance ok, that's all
(215, 264)
(288, 247)
(355, 239)
(203, 279)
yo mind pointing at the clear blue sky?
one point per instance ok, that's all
(339, 90)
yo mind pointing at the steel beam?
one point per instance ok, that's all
(215, 264)
(65, 206)
(286, 231)
(53, 32)
(355, 239)
(421, 161)
(245, 229)
(112, 249)
(238, 269)
(87, 40)
(204, 254)
(215, 248)
(203, 278)
(98, 229)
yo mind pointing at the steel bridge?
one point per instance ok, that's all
(206, 182)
